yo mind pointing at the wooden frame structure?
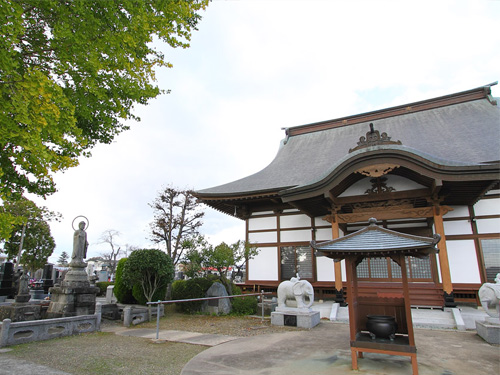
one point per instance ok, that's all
(370, 242)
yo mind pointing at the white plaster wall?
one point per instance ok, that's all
(458, 211)
(323, 234)
(319, 222)
(409, 225)
(457, 227)
(296, 235)
(397, 182)
(325, 269)
(295, 221)
(488, 225)
(265, 265)
(487, 207)
(491, 192)
(262, 213)
(463, 261)
(262, 223)
(263, 237)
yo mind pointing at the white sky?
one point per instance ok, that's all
(255, 67)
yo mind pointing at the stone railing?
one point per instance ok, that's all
(14, 333)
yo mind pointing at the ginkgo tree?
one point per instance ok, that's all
(70, 74)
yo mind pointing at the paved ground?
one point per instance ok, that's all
(321, 350)
(325, 350)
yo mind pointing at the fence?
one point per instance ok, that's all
(14, 333)
(159, 303)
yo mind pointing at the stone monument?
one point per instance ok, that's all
(301, 316)
(216, 306)
(75, 296)
(21, 310)
(489, 295)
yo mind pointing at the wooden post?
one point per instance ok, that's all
(339, 289)
(444, 264)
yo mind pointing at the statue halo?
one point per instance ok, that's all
(73, 222)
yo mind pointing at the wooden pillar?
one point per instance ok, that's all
(444, 264)
(339, 289)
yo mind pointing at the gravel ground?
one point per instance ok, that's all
(107, 353)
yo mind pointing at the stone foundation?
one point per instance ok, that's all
(490, 332)
(69, 301)
(301, 318)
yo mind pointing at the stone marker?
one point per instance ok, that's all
(218, 306)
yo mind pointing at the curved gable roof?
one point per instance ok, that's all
(454, 131)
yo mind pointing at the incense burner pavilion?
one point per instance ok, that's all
(425, 168)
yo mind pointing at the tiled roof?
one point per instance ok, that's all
(376, 241)
(464, 133)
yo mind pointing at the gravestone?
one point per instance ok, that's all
(47, 278)
(218, 306)
(7, 279)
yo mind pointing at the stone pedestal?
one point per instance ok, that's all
(293, 317)
(74, 297)
(20, 312)
(489, 330)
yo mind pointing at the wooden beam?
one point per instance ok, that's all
(390, 213)
(443, 252)
(417, 193)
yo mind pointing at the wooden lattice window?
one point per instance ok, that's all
(385, 269)
(491, 257)
(296, 259)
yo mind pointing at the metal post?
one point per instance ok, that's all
(158, 320)
(262, 303)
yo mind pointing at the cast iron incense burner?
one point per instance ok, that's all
(382, 326)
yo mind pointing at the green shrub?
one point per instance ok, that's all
(138, 294)
(244, 305)
(122, 292)
(103, 286)
(188, 289)
(148, 272)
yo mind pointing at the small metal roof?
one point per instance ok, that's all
(375, 241)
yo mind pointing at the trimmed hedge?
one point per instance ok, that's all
(187, 289)
(122, 293)
(242, 305)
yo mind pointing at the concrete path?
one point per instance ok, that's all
(178, 336)
(325, 350)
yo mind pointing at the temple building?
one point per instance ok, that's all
(424, 168)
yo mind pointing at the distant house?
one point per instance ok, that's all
(422, 168)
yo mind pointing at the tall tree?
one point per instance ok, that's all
(109, 236)
(177, 218)
(70, 74)
(63, 259)
(224, 257)
(31, 241)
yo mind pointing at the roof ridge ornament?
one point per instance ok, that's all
(374, 138)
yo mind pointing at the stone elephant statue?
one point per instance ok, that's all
(297, 289)
(489, 295)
